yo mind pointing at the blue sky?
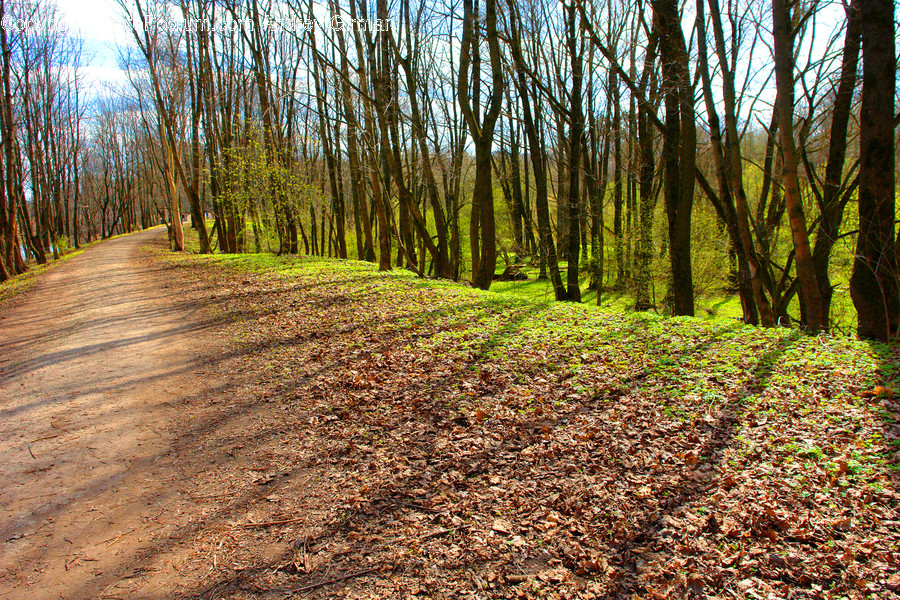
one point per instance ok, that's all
(99, 23)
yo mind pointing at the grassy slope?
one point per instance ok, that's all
(595, 452)
(710, 301)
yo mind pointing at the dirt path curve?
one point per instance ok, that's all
(92, 364)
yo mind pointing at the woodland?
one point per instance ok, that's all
(498, 299)
(655, 156)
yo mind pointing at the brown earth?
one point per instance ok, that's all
(99, 366)
(174, 427)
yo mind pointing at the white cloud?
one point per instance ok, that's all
(97, 20)
(101, 25)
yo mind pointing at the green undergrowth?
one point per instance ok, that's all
(693, 366)
(708, 307)
(770, 441)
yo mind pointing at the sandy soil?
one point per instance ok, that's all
(94, 365)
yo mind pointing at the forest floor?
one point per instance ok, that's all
(177, 426)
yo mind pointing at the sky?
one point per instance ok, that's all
(99, 23)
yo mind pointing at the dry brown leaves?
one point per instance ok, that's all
(392, 446)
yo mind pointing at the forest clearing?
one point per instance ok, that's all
(335, 431)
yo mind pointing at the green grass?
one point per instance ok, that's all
(723, 306)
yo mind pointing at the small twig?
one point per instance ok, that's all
(36, 496)
(314, 586)
(31, 453)
(46, 437)
(98, 459)
(79, 558)
(433, 511)
(437, 533)
(110, 541)
(271, 523)
(424, 537)
(33, 471)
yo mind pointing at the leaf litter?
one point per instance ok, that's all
(409, 438)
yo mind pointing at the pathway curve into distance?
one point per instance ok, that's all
(92, 365)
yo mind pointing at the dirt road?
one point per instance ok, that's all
(92, 364)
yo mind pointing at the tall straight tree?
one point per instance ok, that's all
(873, 285)
(575, 45)
(364, 241)
(647, 163)
(679, 151)
(484, 259)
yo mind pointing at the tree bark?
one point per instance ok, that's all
(811, 300)
(679, 152)
(873, 285)
(576, 133)
(484, 264)
(832, 207)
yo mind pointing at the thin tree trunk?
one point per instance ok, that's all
(811, 300)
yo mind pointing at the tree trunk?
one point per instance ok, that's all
(618, 204)
(536, 149)
(576, 133)
(679, 153)
(873, 285)
(784, 105)
(832, 207)
(484, 260)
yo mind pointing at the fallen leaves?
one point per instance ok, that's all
(502, 526)
(483, 446)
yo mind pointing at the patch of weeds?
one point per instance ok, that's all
(810, 452)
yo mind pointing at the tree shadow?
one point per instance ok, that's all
(885, 400)
(717, 437)
(428, 406)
